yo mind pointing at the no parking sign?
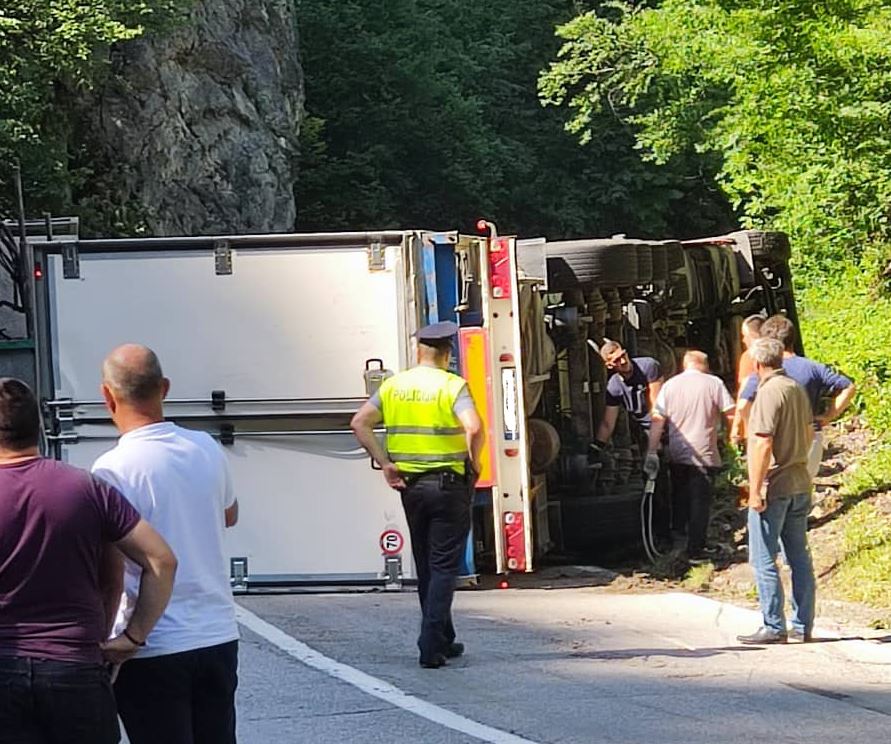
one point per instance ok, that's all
(391, 542)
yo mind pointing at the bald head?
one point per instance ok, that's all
(134, 374)
(696, 360)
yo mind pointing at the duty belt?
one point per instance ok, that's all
(447, 478)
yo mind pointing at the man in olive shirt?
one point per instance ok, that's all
(780, 435)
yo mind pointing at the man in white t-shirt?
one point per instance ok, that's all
(692, 404)
(180, 686)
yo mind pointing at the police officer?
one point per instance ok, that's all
(434, 437)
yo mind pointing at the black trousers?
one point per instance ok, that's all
(184, 698)
(437, 508)
(692, 491)
(56, 702)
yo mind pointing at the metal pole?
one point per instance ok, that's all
(26, 277)
(23, 241)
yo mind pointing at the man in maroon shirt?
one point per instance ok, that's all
(55, 524)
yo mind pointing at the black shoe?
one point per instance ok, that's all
(435, 663)
(762, 637)
(453, 650)
(800, 636)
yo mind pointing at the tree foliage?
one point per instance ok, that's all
(50, 51)
(791, 97)
(425, 112)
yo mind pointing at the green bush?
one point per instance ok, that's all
(846, 323)
(50, 52)
(865, 573)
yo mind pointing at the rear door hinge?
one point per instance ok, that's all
(70, 261)
(222, 257)
(377, 256)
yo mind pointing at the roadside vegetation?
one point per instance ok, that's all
(51, 52)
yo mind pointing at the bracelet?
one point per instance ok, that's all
(130, 638)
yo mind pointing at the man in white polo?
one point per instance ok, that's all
(692, 405)
(180, 687)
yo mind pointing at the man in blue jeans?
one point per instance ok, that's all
(780, 435)
(817, 380)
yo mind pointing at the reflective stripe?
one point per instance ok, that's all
(443, 430)
(450, 457)
(423, 432)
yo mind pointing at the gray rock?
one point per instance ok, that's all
(197, 128)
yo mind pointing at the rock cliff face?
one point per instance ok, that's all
(198, 128)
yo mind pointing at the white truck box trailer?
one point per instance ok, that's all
(265, 339)
(271, 342)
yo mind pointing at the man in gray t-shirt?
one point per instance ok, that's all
(691, 404)
(780, 435)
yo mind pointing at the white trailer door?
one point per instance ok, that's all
(283, 340)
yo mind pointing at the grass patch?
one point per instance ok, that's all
(870, 475)
(864, 572)
(864, 575)
(846, 323)
(699, 578)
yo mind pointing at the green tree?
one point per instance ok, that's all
(50, 51)
(792, 98)
(390, 138)
(425, 112)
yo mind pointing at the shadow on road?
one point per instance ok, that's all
(677, 653)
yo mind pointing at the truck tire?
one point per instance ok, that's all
(682, 287)
(544, 445)
(703, 278)
(606, 263)
(674, 254)
(561, 276)
(660, 263)
(644, 263)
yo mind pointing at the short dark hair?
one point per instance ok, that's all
(780, 328)
(19, 415)
(443, 346)
(607, 349)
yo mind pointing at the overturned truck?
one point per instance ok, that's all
(273, 341)
(658, 299)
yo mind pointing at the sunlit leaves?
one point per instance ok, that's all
(792, 97)
(49, 46)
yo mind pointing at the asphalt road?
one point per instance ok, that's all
(568, 665)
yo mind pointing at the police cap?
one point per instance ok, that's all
(437, 334)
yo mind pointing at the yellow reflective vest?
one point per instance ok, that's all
(423, 432)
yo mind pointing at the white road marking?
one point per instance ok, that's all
(372, 685)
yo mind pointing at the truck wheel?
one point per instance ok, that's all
(674, 254)
(660, 263)
(544, 445)
(605, 262)
(644, 263)
(682, 287)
